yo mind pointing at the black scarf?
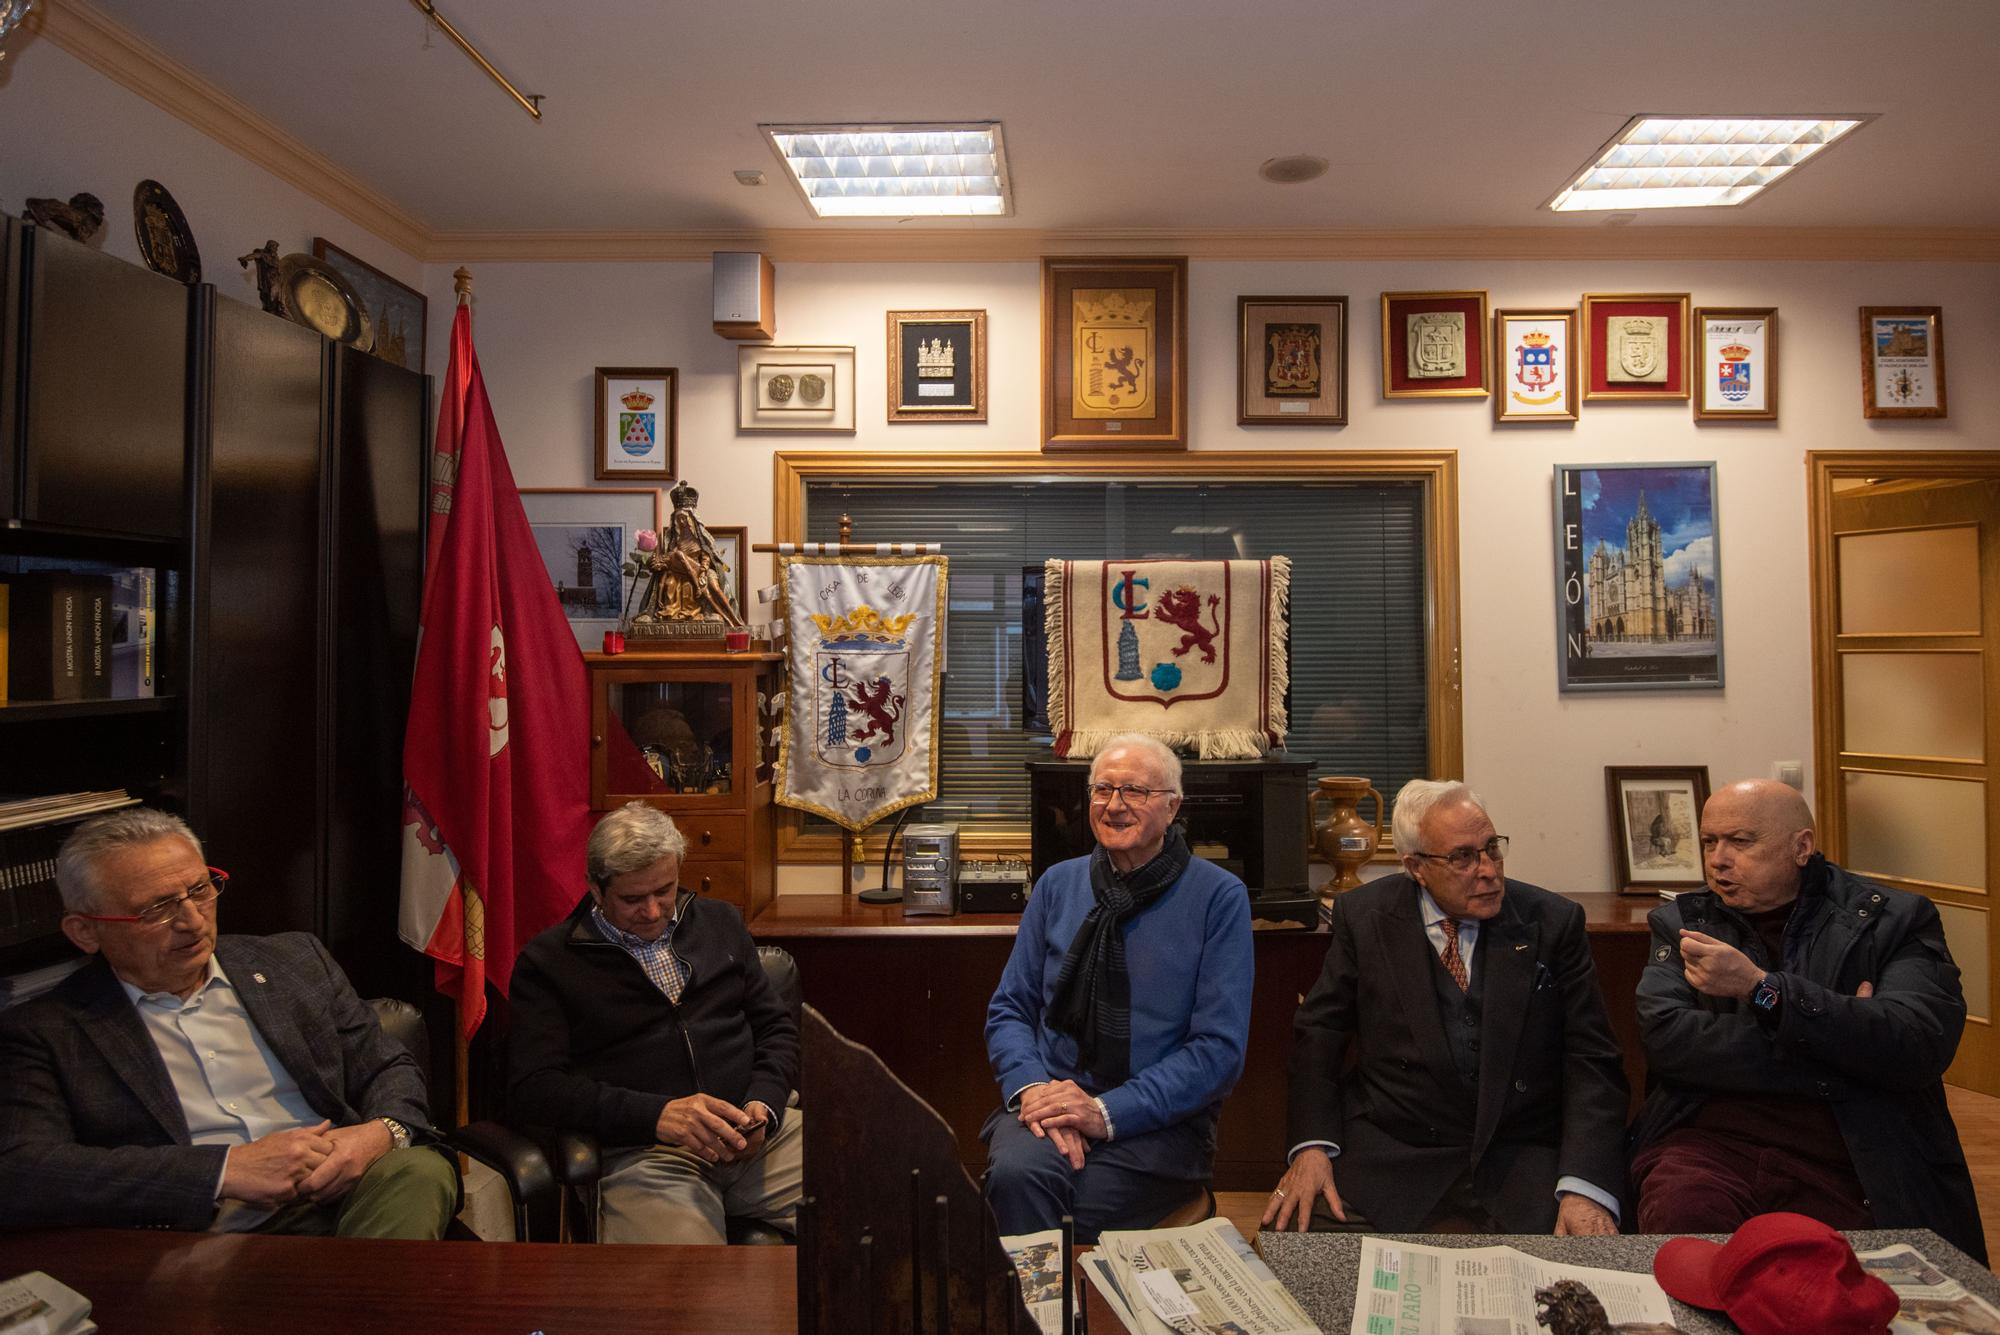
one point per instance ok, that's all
(1093, 997)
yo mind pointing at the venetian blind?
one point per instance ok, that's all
(1358, 697)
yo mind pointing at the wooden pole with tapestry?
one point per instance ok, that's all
(864, 634)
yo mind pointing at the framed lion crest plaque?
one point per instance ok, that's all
(1114, 352)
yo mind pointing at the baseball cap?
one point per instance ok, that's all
(1779, 1274)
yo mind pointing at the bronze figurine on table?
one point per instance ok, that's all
(689, 577)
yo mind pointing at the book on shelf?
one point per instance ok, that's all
(3, 644)
(23, 812)
(132, 634)
(57, 639)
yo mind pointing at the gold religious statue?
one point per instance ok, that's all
(690, 579)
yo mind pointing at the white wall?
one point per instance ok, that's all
(70, 129)
(1537, 755)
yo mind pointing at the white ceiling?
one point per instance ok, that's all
(1146, 114)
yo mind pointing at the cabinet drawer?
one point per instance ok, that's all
(719, 835)
(725, 881)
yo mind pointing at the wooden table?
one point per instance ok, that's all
(198, 1283)
(915, 990)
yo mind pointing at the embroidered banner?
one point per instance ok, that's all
(867, 639)
(1190, 652)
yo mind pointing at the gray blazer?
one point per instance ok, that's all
(91, 1132)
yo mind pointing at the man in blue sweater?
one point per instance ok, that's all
(1120, 1023)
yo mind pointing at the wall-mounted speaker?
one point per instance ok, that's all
(746, 295)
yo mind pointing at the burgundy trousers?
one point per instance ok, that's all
(1695, 1181)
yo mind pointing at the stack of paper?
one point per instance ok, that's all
(1189, 1281)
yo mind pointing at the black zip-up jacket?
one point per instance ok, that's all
(596, 1047)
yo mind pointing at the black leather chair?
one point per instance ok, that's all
(578, 1166)
(518, 1160)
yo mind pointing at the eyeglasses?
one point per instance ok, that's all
(1133, 794)
(1465, 859)
(161, 912)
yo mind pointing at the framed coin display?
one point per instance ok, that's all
(795, 388)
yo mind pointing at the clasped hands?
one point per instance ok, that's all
(1061, 1113)
(714, 1129)
(320, 1163)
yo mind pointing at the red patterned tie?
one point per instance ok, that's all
(1454, 963)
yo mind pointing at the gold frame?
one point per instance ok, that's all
(1476, 326)
(956, 412)
(1257, 308)
(1935, 315)
(1168, 276)
(1570, 362)
(1585, 312)
(1699, 359)
(1437, 469)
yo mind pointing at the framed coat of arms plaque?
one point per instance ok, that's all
(1291, 364)
(1635, 347)
(1114, 352)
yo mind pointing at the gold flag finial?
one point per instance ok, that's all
(461, 283)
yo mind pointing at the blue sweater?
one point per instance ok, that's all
(1191, 965)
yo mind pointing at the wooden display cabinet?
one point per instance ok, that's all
(693, 733)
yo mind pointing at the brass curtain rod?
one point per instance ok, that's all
(530, 102)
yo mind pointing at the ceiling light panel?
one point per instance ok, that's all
(897, 171)
(1677, 162)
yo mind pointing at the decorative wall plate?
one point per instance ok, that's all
(317, 297)
(165, 242)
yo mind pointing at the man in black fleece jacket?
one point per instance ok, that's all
(645, 1019)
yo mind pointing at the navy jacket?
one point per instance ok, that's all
(595, 1046)
(1878, 1062)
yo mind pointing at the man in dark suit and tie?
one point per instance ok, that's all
(1454, 1056)
(181, 1080)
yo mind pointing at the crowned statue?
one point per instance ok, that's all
(687, 579)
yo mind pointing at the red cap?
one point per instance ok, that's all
(1779, 1274)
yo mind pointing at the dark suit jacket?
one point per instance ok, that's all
(91, 1132)
(1370, 1063)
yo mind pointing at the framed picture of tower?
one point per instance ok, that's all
(1638, 588)
(583, 535)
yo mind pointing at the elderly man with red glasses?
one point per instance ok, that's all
(1453, 1069)
(185, 1080)
(1121, 1019)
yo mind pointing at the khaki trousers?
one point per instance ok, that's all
(666, 1194)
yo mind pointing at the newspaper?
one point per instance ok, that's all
(1037, 1258)
(1199, 1280)
(1932, 1302)
(1405, 1288)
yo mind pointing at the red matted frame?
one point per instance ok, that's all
(1599, 310)
(1397, 382)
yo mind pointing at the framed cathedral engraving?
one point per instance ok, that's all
(1291, 361)
(1736, 360)
(1638, 597)
(1434, 345)
(1114, 352)
(937, 366)
(1656, 826)
(1534, 366)
(1635, 347)
(1902, 361)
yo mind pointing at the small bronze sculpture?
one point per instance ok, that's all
(265, 257)
(1568, 1307)
(79, 219)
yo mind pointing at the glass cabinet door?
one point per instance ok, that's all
(671, 738)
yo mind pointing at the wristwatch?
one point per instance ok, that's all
(1765, 995)
(399, 1135)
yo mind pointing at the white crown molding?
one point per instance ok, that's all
(996, 244)
(137, 65)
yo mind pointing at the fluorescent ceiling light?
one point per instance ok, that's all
(1680, 162)
(897, 171)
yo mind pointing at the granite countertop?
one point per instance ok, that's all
(1321, 1269)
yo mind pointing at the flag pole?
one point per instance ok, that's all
(461, 283)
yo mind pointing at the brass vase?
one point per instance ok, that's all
(1343, 838)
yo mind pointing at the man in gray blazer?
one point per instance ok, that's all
(183, 1081)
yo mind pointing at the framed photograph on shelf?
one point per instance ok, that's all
(1638, 602)
(1534, 366)
(1114, 352)
(794, 388)
(397, 312)
(1656, 826)
(1635, 346)
(637, 412)
(1737, 361)
(1434, 345)
(584, 535)
(1291, 361)
(1902, 361)
(937, 366)
(732, 541)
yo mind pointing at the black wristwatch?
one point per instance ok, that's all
(1765, 995)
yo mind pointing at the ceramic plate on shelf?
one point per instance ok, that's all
(320, 299)
(165, 242)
